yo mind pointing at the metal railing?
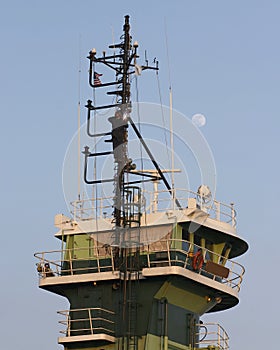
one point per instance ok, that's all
(161, 201)
(212, 335)
(166, 252)
(92, 208)
(69, 261)
(183, 256)
(152, 202)
(87, 321)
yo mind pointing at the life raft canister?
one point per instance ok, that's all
(197, 261)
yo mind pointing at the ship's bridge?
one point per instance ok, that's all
(207, 218)
(192, 242)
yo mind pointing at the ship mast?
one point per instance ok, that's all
(124, 65)
(120, 124)
(127, 196)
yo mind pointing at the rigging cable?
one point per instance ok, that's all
(162, 117)
(141, 147)
(139, 120)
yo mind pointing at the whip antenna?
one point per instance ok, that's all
(170, 116)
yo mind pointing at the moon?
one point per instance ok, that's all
(198, 120)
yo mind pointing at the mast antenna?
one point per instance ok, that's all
(170, 117)
(79, 121)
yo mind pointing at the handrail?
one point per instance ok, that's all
(152, 202)
(236, 270)
(212, 334)
(178, 253)
(87, 321)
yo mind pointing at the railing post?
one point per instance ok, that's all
(219, 258)
(218, 210)
(187, 256)
(68, 325)
(233, 223)
(70, 261)
(112, 259)
(191, 249)
(75, 210)
(90, 321)
(97, 258)
(43, 265)
(168, 252)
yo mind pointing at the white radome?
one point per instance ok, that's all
(199, 120)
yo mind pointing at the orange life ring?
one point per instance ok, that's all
(197, 261)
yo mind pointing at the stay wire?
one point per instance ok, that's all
(139, 121)
(163, 121)
(140, 146)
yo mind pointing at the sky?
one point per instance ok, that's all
(223, 62)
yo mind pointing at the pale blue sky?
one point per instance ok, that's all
(224, 60)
